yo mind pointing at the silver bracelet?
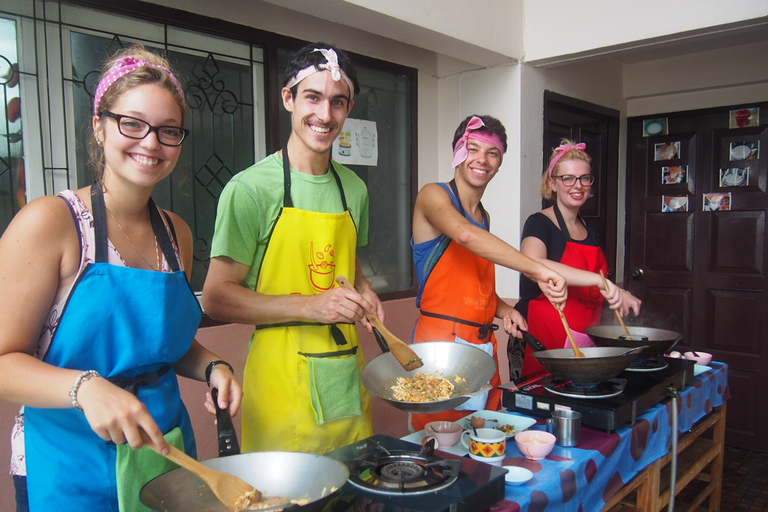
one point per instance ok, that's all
(76, 386)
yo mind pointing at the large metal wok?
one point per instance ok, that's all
(450, 359)
(598, 363)
(655, 341)
(292, 475)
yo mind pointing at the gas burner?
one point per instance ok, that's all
(587, 390)
(651, 364)
(402, 472)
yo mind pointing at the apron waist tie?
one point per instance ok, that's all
(338, 336)
(132, 384)
(485, 329)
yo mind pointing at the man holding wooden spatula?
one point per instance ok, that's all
(285, 228)
(455, 256)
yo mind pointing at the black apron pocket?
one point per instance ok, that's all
(334, 385)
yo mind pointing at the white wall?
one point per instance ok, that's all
(555, 29)
(701, 80)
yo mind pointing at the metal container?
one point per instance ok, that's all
(450, 359)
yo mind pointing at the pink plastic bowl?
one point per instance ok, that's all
(448, 432)
(535, 444)
(702, 357)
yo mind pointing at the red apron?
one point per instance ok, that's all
(459, 301)
(584, 305)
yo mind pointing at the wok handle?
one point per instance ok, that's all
(228, 444)
(532, 342)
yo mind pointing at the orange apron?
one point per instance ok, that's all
(459, 302)
(584, 304)
(302, 387)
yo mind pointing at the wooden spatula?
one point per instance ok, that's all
(618, 315)
(404, 354)
(576, 350)
(234, 493)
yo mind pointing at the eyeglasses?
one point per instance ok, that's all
(137, 129)
(569, 180)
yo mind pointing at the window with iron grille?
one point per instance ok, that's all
(50, 53)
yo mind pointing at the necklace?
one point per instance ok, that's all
(157, 248)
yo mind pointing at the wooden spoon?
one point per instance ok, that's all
(234, 493)
(618, 315)
(576, 351)
(404, 354)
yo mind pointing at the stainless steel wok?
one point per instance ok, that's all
(448, 358)
(292, 475)
(655, 341)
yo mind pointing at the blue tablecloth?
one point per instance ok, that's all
(586, 477)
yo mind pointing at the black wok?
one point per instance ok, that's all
(598, 363)
(655, 341)
(450, 359)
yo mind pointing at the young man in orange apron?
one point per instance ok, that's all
(455, 256)
(285, 228)
(559, 237)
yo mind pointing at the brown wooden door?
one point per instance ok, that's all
(701, 269)
(598, 127)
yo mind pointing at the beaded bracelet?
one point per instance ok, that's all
(209, 369)
(76, 386)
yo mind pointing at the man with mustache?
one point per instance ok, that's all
(285, 228)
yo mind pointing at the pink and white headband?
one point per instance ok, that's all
(562, 150)
(332, 65)
(121, 68)
(460, 152)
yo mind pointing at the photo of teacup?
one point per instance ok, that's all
(488, 445)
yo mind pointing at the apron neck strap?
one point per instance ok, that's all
(455, 191)
(561, 221)
(99, 209)
(287, 200)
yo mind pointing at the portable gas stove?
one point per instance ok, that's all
(396, 474)
(604, 405)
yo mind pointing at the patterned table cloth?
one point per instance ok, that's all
(584, 478)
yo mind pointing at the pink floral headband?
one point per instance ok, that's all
(562, 150)
(332, 65)
(121, 68)
(460, 152)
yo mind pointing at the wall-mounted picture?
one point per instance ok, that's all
(734, 177)
(744, 150)
(717, 202)
(666, 151)
(674, 174)
(674, 204)
(744, 117)
(653, 127)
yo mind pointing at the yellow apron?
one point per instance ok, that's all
(302, 381)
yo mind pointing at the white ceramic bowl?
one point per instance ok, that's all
(703, 358)
(535, 444)
(517, 475)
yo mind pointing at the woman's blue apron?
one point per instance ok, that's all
(130, 325)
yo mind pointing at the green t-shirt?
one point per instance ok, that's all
(251, 201)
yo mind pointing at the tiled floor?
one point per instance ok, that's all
(745, 481)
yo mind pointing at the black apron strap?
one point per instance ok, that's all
(99, 210)
(455, 190)
(485, 329)
(563, 228)
(287, 200)
(132, 384)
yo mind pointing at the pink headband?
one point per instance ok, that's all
(562, 150)
(332, 65)
(121, 68)
(460, 152)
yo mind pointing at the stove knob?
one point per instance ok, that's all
(637, 273)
